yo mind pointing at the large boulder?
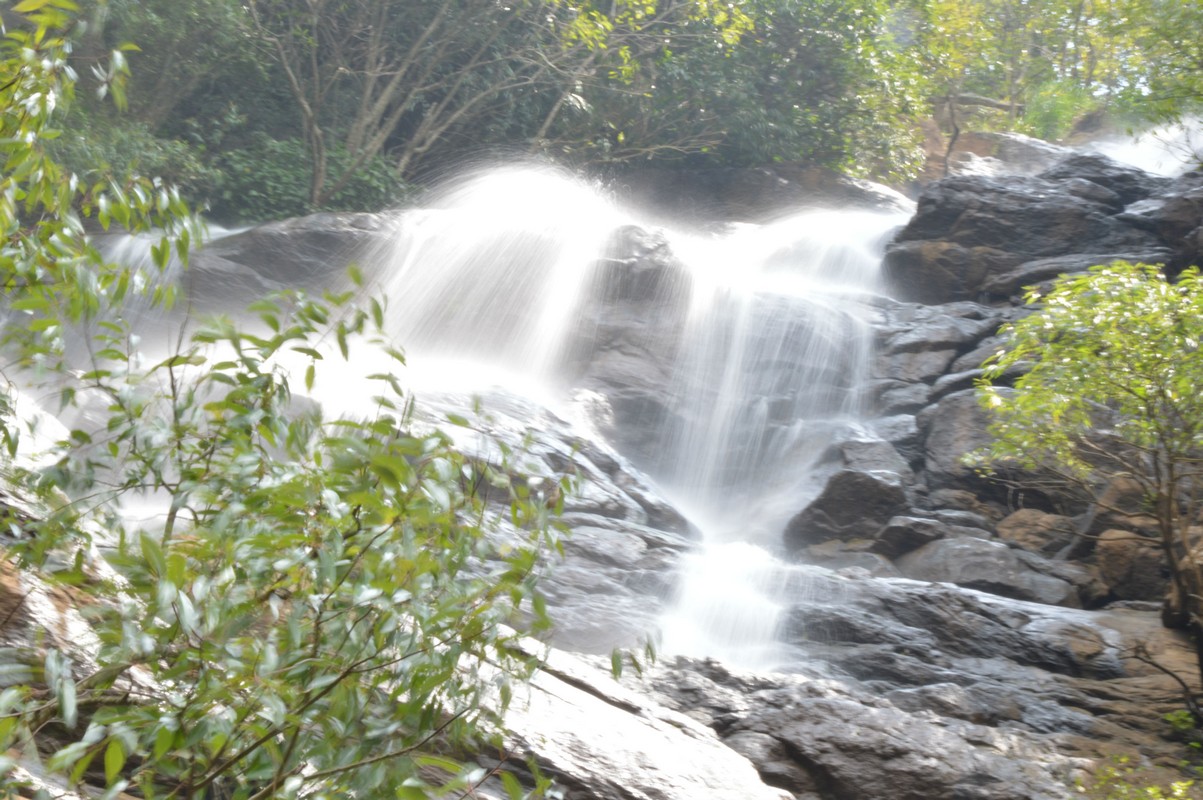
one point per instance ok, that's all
(303, 252)
(1132, 566)
(968, 229)
(1037, 531)
(854, 504)
(987, 566)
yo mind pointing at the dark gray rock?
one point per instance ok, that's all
(1126, 183)
(892, 396)
(304, 252)
(854, 504)
(938, 271)
(912, 367)
(1012, 282)
(902, 534)
(968, 230)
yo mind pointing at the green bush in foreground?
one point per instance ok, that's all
(319, 608)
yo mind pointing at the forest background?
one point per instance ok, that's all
(264, 109)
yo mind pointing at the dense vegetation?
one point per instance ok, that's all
(275, 107)
(317, 607)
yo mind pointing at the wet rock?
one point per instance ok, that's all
(987, 566)
(939, 331)
(967, 230)
(1012, 282)
(751, 195)
(925, 365)
(625, 542)
(892, 396)
(1126, 183)
(904, 533)
(954, 427)
(937, 271)
(601, 741)
(837, 555)
(901, 431)
(867, 454)
(303, 252)
(854, 504)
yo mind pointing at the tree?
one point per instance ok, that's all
(1164, 44)
(412, 78)
(323, 607)
(1111, 391)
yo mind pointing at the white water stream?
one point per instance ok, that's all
(492, 282)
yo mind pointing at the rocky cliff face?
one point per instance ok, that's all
(945, 637)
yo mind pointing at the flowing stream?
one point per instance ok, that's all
(766, 361)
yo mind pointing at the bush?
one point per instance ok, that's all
(321, 607)
(270, 179)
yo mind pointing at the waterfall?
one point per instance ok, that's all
(761, 334)
(730, 361)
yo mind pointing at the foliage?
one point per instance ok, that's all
(813, 82)
(270, 179)
(1031, 65)
(323, 607)
(1165, 45)
(99, 145)
(1111, 392)
(1053, 108)
(1121, 780)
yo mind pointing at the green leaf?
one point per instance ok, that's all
(513, 789)
(152, 553)
(26, 6)
(114, 761)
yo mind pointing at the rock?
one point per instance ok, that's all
(963, 500)
(954, 382)
(1126, 183)
(601, 741)
(925, 365)
(1037, 531)
(774, 763)
(903, 534)
(837, 555)
(1132, 566)
(943, 330)
(303, 252)
(901, 431)
(1017, 694)
(1013, 281)
(867, 454)
(906, 533)
(952, 761)
(987, 566)
(854, 504)
(1174, 217)
(955, 427)
(625, 542)
(967, 230)
(750, 195)
(892, 396)
(937, 271)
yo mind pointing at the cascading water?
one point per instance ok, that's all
(768, 354)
